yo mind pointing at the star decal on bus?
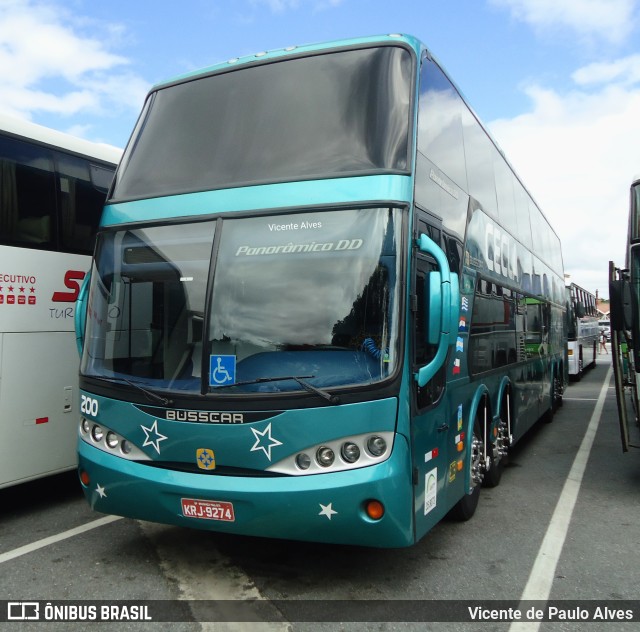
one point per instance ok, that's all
(100, 491)
(327, 510)
(264, 441)
(152, 436)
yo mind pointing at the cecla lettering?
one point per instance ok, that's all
(500, 251)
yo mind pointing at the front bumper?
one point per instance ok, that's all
(321, 508)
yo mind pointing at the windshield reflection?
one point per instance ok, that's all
(307, 295)
(298, 302)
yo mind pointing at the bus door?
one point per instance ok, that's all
(430, 427)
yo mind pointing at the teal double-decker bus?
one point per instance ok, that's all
(322, 305)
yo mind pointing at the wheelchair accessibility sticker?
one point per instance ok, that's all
(222, 370)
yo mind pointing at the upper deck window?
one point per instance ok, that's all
(326, 115)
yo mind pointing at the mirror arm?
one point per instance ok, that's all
(449, 304)
(80, 314)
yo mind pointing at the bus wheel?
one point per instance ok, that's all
(554, 405)
(580, 365)
(466, 506)
(557, 389)
(499, 448)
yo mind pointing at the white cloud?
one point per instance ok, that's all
(608, 20)
(625, 71)
(50, 66)
(577, 153)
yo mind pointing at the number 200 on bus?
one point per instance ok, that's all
(88, 406)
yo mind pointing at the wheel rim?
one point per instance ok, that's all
(477, 468)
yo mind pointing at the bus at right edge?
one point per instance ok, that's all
(624, 293)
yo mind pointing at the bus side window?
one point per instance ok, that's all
(28, 202)
(80, 202)
(492, 338)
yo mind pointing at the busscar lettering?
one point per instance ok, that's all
(204, 416)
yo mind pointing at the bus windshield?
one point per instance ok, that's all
(327, 115)
(313, 296)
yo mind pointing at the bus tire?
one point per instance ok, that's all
(499, 457)
(464, 509)
(557, 387)
(580, 365)
(494, 473)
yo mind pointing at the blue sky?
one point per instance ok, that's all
(556, 81)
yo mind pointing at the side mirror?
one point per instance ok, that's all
(622, 316)
(80, 315)
(442, 306)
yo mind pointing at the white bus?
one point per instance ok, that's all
(582, 330)
(52, 189)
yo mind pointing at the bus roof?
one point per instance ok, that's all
(263, 56)
(59, 140)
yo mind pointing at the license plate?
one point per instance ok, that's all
(208, 509)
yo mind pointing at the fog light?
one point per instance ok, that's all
(374, 509)
(84, 478)
(97, 433)
(303, 461)
(376, 445)
(112, 440)
(350, 452)
(325, 456)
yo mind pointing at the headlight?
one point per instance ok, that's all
(350, 452)
(338, 455)
(97, 433)
(109, 441)
(112, 440)
(325, 456)
(303, 461)
(376, 445)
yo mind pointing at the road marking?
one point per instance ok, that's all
(39, 544)
(202, 572)
(540, 581)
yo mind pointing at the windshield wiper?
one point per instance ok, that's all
(332, 399)
(300, 379)
(151, 396)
